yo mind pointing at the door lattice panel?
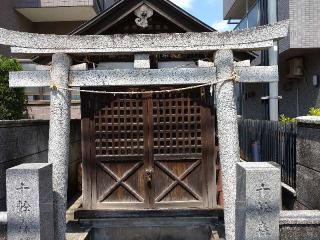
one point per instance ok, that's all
(119, 128)
(177, 148)
(176, 124)
(119, 150)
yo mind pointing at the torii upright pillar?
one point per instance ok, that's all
(228, 136)
(59, 135)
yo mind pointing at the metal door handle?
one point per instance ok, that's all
(149, 173)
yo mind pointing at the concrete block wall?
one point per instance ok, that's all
(308, 166)
(26, 141)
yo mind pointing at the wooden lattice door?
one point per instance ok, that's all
(149, 151)
(182, 142)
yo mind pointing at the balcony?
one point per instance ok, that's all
(58, 10)
(236, 9)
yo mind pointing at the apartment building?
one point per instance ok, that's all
(299, 56)
(46, 16)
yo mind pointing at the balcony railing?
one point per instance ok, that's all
(53, 3)
(58, 10)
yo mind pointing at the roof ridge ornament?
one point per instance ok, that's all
(143, 13)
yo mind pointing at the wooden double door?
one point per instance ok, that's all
(148, 151)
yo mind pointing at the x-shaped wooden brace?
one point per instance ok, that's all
(120, 181)
(178, 180)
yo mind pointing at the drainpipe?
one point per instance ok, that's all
(273, 60)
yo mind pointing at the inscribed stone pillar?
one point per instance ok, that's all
(29, 202)
(228, 136)
(258, 201)
(59, 140)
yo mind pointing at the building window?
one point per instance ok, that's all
(42, 95)
(252, 18)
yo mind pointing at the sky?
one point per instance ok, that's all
(209, 11)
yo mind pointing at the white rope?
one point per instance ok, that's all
(234, 77)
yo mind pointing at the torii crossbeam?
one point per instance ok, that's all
(65, 76)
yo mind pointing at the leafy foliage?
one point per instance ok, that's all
(12, 100)
(314, 111)
(284, 119)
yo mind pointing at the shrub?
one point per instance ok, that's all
(284, 119)
(12, 100)
(314, 111)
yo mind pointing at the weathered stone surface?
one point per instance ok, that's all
(29, 79)
(256, 74)
(308, 185)
(3, 218)
(144, 77)
(160, 233)
(299, 232)
(248, 39)
(59, 138)
(29, 202)
(245, 63)
(124, 77)
(300, 217)
(258, 200)
(228, 136)
(79, 67)
(308, 163)
(309, 119)
(297, 225)
(142, 60)
(308, 146)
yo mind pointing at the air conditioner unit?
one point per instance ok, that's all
(296, 67)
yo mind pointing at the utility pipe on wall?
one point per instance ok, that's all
(273, 60)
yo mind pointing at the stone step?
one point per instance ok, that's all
(151, 233)
(76, 232)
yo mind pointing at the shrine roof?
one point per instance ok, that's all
(184, 21)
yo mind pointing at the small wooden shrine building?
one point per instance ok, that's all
(148, 151)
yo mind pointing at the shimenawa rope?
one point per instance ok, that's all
(234, 77)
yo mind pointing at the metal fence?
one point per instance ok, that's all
(270, 141)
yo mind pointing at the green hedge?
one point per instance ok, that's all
(12, 100)
(314, 111)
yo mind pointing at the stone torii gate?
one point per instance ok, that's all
(63, 75)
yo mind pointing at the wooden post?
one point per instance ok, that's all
(228, 136)
(59, 139)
